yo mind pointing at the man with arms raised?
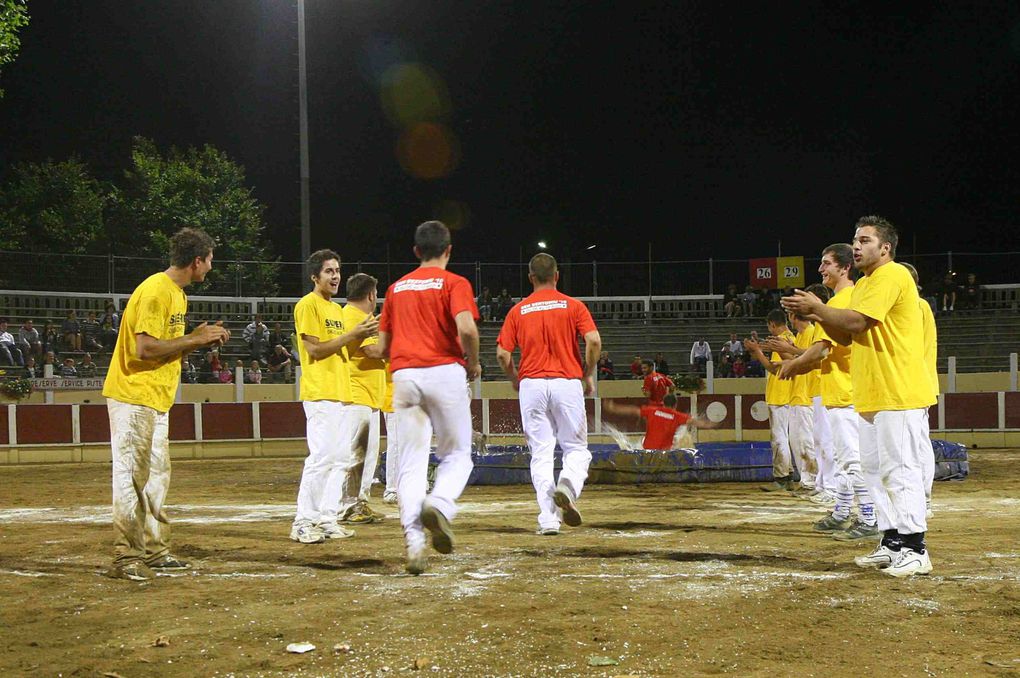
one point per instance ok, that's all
(546, 326)
(428, 331)
(661, 421)
(777, 396)
(892, 392)
(145, 370)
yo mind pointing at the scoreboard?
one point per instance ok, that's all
(776, 272)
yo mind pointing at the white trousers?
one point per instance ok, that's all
(894, 452)
(329, 455)
(552, 410)
(428, 399)
(929, 465)
(824, 453)
(845, 424)
(802, 442)
(357, 483)
(779, 425)
(139, 439)
(391, 452)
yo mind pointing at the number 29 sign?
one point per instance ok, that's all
(776, 272)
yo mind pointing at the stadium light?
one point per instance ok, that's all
(541, 244)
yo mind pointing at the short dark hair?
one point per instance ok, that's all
(886, 231)
(317, 258)
(649, 363)
(543, 267)
(913, 272)
(359, 286)
(842, 254)
(669, 400)
(187, 244)
(431, 238)
(819, 290)
(776, 317)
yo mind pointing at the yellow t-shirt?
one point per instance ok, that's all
(388, 398)
(368, 375)
(158, 308)
(329, 378)
(888, 369)
(778, 391)
(837, 390)
(806, 386)
(931, 345)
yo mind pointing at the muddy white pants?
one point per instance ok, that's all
(824, 453)
(929, 462)
(363, 422)
(552, 410)
(428, 399)
(849, 477)
(779, 425)
(894, 452)
(802, 442)
(391, 452)
(139, 438)
(329, 455)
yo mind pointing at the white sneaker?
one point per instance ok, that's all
(417, 561)
(880, 558)
(334, 531)
(547, 531)
(307, 534)
(823, 497)
(389, 497)
(909, 563)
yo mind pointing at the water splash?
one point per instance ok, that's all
(618, 436)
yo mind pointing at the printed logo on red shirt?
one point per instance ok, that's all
(418, 285)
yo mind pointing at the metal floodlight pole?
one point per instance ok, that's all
(306, 234)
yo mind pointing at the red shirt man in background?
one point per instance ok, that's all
(656, 385)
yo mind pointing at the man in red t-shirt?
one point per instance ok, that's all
(428, 331)
(661, 421)
(656, 385)
(552, 382)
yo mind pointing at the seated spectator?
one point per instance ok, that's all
(748, 301)
(189, 373)
(701, 353)
(31, 370)
(70, 331)
(661, 366)
(731, 302)
(278, 336)
(238, 365)
(29, 340)
(725, 367)
(970, 294)
(279, 364)
(226, 375)
(110, 315)
(209, 372)
(256, 335)
(739, 366)
(734, 346)
(68, 370)
(947, 293)
(87, 369)
(605, 367)
(254, 373)
(90, 333)
(107, 334)
(485, 304)
(635, 368)
(10, 354)
(50, 338)
(50, 358)
(656, 385)
(503, 305)
(754, 368)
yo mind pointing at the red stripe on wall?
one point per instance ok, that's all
(972, 410)
(727, 401)
(94, 421)
(182, 421)
(227, 421)
(4, 425)
(746, 420)
(281, 420)
(1012, 409)
(39, 424)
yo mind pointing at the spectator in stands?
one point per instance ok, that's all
(50, 358)
(111, 315)
(947, 293)
(606, 367)
(256, 335)
(635, 368)
(189, 373)
(731, 302)
(503, 305)
(68, 370)
(734, 346)
(209, 373)
(970, 294)
(107, 333)
(661, 366)
(226, 375)
(739, 366)
(87, 369)
(254, 373)
(29, 340)
(9, 351)
(656, 385)
(31, 370)
(278, 336)
(701, 353)
(485, 303)
(90, 333)
(279, 363)
(70, 331)
(724, 369)
(748, 301)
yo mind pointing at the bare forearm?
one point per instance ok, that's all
(150, 348)
(592, 351)
(469, 342)
(842, 321)
(506, 362)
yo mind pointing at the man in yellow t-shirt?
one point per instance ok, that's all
(892, 392)
(931, 352)
(145, 370)
(837, 398)
(326, 394)
(777, 397)
(368, 391)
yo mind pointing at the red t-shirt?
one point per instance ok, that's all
(661, 426)
(418, 314)
(658, 386)
(546, 325)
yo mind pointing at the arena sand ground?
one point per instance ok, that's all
(664, 579)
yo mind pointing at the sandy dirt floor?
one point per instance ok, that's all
(665, 580)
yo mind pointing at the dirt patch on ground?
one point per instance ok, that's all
(663, 579)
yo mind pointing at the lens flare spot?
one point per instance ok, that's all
(428, 151)
(413, 93)
(454, 214)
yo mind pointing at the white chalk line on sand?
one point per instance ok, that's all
(23, 573)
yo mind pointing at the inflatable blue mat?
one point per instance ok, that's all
(708, 462)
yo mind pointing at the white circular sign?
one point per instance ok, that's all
(715, 412)
(760, 411)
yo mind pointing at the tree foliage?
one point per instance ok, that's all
(13, 17)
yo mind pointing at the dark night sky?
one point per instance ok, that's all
(708, 129)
